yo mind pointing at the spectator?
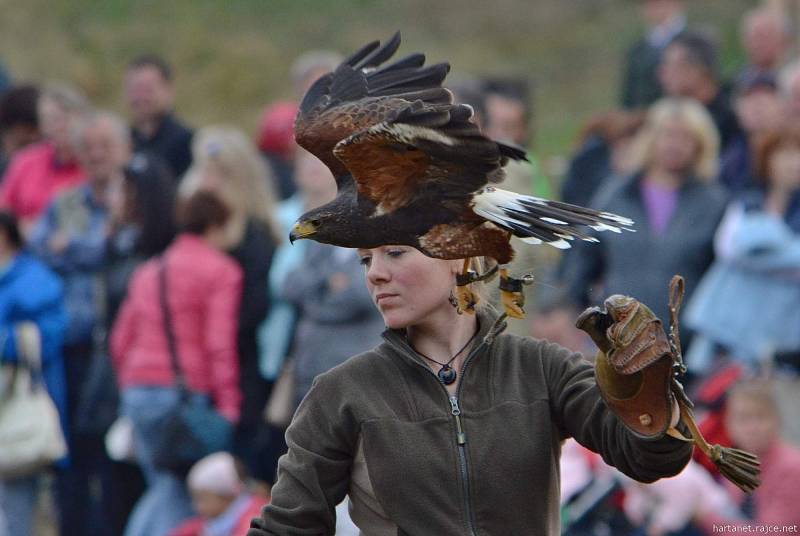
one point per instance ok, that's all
(675, 204)
(603, 152)
(508, 119)
(664, 20)
(150, 96)
(203, 294)
(315, 188)
(276, 128)
(223, 505)
(689, 68)
(141, 226)
(71, 238)
(336, 317)
(765, 35)
(39, 172)
(227, 163)
(759, 109)
(276, 143)
(757, 267)
(754, 424)
(19, 122)
(29, 292)
(142, 223)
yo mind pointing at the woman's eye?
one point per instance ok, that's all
(365, 261)
(395, 252)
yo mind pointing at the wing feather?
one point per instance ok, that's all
(361, 93)
(395, 162)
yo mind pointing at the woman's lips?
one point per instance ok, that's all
(383, 297)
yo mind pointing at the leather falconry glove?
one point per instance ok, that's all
(637, 371)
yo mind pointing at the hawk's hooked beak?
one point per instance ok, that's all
(302, 229)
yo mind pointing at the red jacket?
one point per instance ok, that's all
(204, 291)
(33, 178)
(194, 526)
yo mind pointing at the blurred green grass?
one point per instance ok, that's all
(232, 57)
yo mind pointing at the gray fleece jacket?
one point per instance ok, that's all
(416, 461)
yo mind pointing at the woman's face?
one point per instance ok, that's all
(784, 168)
(212, 178)
(675, 148)
(54, 122)
(751, 425)
(406, 286)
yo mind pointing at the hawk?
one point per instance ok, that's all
(413, 169)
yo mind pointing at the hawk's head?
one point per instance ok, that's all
(321, 224)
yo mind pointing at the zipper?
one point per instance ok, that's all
(461, 441)
(461, 436)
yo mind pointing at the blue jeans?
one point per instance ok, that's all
(165, 503)
(17, 503)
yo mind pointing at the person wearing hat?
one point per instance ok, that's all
(219, 497)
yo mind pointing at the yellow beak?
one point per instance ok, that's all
(301, 230)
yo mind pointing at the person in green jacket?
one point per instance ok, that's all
(448, 426)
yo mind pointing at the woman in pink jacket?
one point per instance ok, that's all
(203, 294)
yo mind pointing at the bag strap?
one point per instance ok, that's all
(180, 380)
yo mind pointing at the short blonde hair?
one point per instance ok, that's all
(695, 117)
(249, 191)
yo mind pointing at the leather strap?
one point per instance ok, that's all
(180, 379)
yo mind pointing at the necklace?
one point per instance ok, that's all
(447, 374)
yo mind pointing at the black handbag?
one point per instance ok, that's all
(192, 429)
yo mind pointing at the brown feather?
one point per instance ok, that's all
(466, 239)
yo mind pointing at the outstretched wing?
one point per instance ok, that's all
(430, 151)
(360, 93)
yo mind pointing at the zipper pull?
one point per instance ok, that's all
(461, 437)
(454, 409)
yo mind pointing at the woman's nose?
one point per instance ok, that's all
(377, 272)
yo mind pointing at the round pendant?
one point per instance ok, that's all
(447, 375)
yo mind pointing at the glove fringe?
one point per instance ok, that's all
(738, 466)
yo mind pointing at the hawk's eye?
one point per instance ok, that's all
(315, 223)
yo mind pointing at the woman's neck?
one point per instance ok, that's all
(663, 178)
(442, 335)
(777, 201)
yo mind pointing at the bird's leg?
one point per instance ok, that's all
(465, 299)
(511, 294)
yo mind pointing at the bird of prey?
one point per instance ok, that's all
(413, 169)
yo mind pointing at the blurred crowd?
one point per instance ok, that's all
(115, 231)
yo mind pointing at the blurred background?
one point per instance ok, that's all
(149, 177)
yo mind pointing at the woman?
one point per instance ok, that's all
(448, 426)
(676, 206)
(757, 267)
(142, 225)
(203, 292)
(36, 174)
(228, 164)
(29, 292)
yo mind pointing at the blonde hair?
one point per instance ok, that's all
(694, 116)
(248, 191)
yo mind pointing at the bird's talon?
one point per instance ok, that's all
(466, 300)
(512, 303)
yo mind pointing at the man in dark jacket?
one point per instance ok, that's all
(665, 19)
(689, 68)
(150, 95)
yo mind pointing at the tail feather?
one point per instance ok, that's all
(536, 220)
